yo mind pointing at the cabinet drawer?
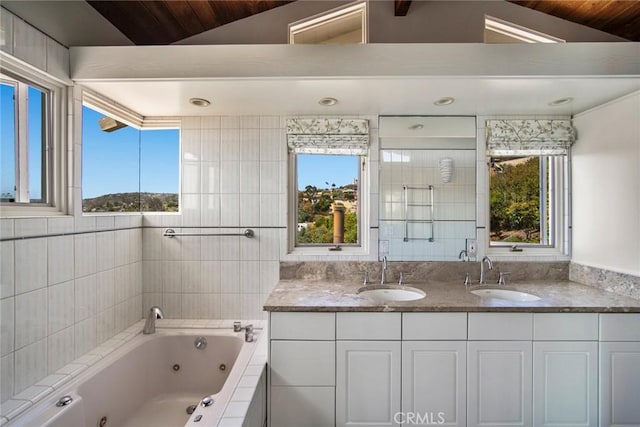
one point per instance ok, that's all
(368, 326)
(501, 326)
(565, 326)
(434, 326)
(303, 363)
(302, 406)
(620, 327)
(303, 326)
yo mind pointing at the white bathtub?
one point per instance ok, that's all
(150, 381)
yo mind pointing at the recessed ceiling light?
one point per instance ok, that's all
(200, 102)
(444, 101)
(561, 101)
(328, 101)
(417, 126)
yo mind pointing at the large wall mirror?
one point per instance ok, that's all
(427, 181)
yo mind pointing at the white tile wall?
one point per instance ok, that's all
(232, 169)
(58, 298)
(454, 202)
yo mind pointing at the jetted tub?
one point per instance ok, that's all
(151, 381)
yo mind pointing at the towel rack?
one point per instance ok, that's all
(424, 208)
(171, 233)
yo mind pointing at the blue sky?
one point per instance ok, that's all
(110, 159)
(8, 135)
(316, 170)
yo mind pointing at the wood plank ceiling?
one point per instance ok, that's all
(161, 22)
(617, 17)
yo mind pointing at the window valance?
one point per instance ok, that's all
(529, 137)
(328, 136)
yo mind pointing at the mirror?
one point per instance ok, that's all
(427, 187)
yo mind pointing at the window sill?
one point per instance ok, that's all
(532, 253)
(26, 211)
(324, 253)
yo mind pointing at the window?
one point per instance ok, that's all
(345, 25)
(521, 199)
(25, 154)
(327, 208)
(499, 31)
(125, 168)
(328, 184)
(528, 183)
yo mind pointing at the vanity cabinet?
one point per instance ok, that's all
(565, 369)
(434, 367)
(368, 366)
(466, 369)
(367, 383)
(434, 380)
(619, 370)
(499, 383)
(302, 369)
(499, 369)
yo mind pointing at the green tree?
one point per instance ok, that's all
(351, 227)
(515, 199)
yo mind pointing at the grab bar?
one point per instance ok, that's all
(170, 232)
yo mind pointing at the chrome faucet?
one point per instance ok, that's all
(150, 325)
(489, 263)
(248, 331)
(383, 275)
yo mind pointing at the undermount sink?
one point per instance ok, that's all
(505, 294)
(381, 293)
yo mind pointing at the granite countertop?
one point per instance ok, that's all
(556, 296)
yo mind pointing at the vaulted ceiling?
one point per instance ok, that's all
(617, 17)
(161, 22)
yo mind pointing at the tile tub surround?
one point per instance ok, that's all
(422, 272)
(245, 397)
(64, 290)
(620, 283)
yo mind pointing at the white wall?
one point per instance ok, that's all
(233, 177)
(67, 283)
(606, 186)
(28, 44)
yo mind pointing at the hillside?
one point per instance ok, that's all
(132, 202)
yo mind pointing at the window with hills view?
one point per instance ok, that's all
(327, 183)
(125, 169)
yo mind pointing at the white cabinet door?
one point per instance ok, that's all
(368, 383)
(302, 406)
(620, 384)
(565, 384)
(434, 382)
(499, 383)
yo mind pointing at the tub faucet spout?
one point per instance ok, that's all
(150, 324)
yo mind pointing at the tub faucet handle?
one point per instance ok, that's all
(248, 333)
(248, 330)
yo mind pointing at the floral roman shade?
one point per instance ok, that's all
(328, 136)
(529, 137)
